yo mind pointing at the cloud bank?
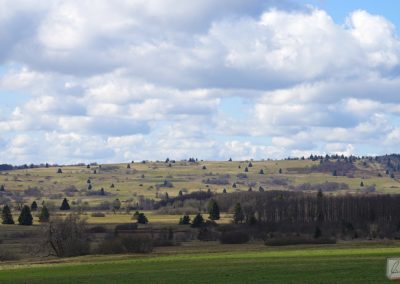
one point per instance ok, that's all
(132, 80)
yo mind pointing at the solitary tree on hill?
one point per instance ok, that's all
(25, 218)
(6, 216)
(65, 205)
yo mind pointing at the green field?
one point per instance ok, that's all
(360, 263)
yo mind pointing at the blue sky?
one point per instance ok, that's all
(210, 79)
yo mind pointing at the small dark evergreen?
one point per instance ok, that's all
(238, 215)
(6, 216)
(34, 206)
(213, 210)
(65, 205)
(142, 219)
(44, 215)
(185, 220)
(198, 221)
(25, 218)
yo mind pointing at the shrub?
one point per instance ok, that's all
(125, 227)
(185, 220)
(207, 234)
(129, 244)
(6, 255)
(98, 214)
(113, 246)
(287, 241)
(66, 237)
(98, 230)
(234, 238)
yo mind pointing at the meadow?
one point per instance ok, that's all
(213, 263)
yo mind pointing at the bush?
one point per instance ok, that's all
(234, 238)
(98, 214)
(131, 244)
(98, 230)
(125, 227)
(113, 246)
(6, 255)
(207, 234)
(287, 241)
(66, 237)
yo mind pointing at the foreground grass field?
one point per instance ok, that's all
(323, 264)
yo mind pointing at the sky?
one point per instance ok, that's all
(115, 81)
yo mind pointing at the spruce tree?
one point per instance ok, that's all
(65, 205)
(25, 218)
(6, 216)
(34, 206)
(185, 220)
(238, 215)
(2, 187)
(142, 219)
(197, 221)
(44, 215)
(213, 210)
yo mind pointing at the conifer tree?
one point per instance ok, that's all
(197, 221)
(185, 220)
(238, 215)
(44, 215)
(213, 210)
(6, 216)
(34, 206)
(142, 219)
(25, 218)
(65, 205)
